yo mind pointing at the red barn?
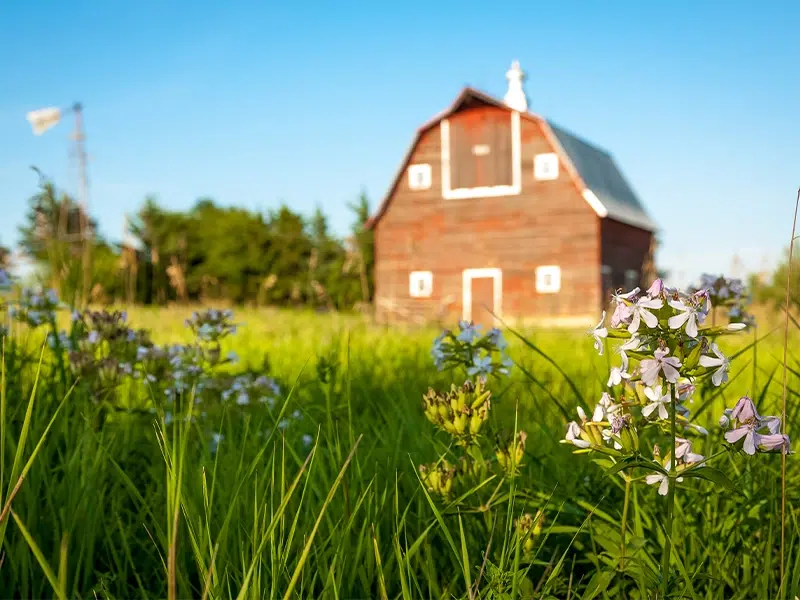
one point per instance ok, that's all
(495, 207)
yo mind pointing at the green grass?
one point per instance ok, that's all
(135, 508)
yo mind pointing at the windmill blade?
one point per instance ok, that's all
(43, 119)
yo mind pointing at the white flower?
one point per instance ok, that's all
(617, 375)
(720, 376)
(574, 436)
(651, 367)
(661, 479)
(608, 404)
(690, 315)
(599, 332)
(641, 313)
(658, 401)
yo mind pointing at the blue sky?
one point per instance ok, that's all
(258, 103)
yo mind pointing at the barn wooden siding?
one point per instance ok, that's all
(549, 223)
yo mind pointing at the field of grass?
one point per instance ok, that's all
(319, 495)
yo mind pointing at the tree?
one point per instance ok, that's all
(363, 245)
(52, 235)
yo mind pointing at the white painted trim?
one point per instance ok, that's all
(595, 203)
(497, 291)
(413, 280)
(545, 166)
(417, 170)
(555, 277)
(485, 191)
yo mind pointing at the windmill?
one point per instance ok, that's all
(42, 120)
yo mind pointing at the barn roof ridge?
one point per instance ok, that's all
(595, 167)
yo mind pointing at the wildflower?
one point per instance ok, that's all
(510, 455)
(481, 365)
(720, 376)
(574, 436)
(438, 478)
(617, 375)
(662, 479)
(216, 438)
(690, 314)
(658, 401)
(656, 289)
(683, 450)
(496, 339)
(307, 439)
(5, 280)
(623, 310)
(599, 333)
(469, 332)
(757, 432)
(773, 442)
(660, 363)
(641, 312)
(608, 404)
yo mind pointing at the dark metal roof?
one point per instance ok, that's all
(601, 175)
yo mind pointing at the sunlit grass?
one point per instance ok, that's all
(139, 508)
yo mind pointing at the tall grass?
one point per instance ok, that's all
(139, 506)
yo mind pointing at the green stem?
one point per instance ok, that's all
(624, 528)
(665, 559)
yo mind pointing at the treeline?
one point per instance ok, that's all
(208, 253)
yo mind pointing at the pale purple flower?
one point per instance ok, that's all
(686, 390)
(774, 442)
(690, 314)
(658, 401)
(683, 450)
(641, 312)
(656, 288)
(599, 333)
(747, 431)
(720, 376)
(623, 310)
(652, 367)
(745, 410)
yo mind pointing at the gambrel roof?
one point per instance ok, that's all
(592, 169)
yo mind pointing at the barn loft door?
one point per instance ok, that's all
(483, 292)
(480, 150)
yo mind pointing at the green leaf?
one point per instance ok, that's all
(714, 475)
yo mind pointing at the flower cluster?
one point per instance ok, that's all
(461, 412)
(35, 307)
(728, 293)
(667, 349)
(478, 354)
(755, 433)
(528, 528)
(438, 477)
(212, 325)
(510, 453)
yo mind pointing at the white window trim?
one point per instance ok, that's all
(555, 273)
(497, 291)
(538, 166)
(414, 170)
(485, 191)
(413, 279)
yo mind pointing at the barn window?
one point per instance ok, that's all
(548, 279)
(420, 284)
(545, 166)
(481, 154)
(631, 279)
(419, 177)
